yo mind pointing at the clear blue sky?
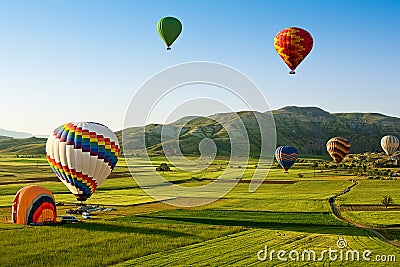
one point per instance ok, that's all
(64, 61)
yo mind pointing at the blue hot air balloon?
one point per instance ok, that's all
(286, 156)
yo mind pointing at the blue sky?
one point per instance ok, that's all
(64, 61)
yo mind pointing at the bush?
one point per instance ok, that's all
(387, 200)
(163, 167)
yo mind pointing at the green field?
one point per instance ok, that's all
(227, 232)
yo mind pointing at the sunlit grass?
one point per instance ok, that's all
(375, 218)
(230, 231)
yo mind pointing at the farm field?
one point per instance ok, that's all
(199, 133)
(227, 232)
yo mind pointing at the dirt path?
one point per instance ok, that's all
(336, 212)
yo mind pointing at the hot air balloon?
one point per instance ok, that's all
(293, 45)
(82, 154)
(169, 29)
(286, 156)
(34, 204)
(338, 148)
(389, 144)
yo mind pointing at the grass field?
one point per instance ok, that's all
(228, 232)
(376, 219)
(372, 192)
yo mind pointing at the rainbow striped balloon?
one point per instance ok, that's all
(82, 154)
(338, 148)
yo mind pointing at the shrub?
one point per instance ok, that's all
(163, 167)
(387, 200)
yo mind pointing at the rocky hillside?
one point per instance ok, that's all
(307, 128)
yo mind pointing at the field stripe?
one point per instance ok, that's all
(238, 249)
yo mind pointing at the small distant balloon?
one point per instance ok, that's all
(389, 144)
(338, 148)
(169, 28)
(286, 156)
(293, 45)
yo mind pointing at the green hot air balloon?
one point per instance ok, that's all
(169, 29)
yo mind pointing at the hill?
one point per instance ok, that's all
(7, 133)
(26, 146)
(192, 131)
(307, 128)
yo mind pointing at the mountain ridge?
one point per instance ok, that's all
(14, 134)
(306, 128)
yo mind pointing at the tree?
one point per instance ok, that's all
(163, 167)
(387, 200)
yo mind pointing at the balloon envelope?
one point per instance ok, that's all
(34, 204)
(82, 155)
(338, 148)
(169, 28)
(293, 45)
(389, 144)
(286, 156)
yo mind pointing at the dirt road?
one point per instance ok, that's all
(336, 212)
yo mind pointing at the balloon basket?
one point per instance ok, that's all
(168, 48)
(292, 72)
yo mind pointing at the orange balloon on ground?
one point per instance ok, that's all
(34, 204)
(293, 45)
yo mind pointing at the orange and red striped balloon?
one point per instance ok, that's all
(293, 45)
(338, 148)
